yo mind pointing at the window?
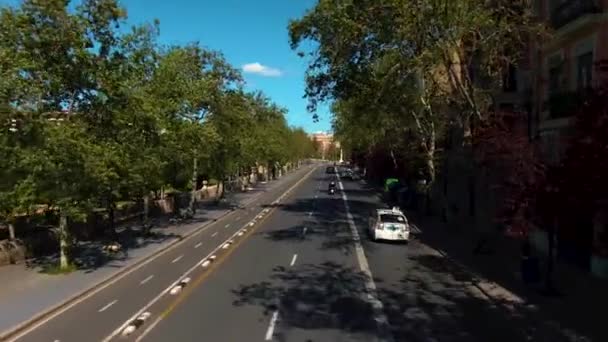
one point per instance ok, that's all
(584, 71)
(388, 218)
(554, 4)
(506, 107)
(509, 80)
(555, 79)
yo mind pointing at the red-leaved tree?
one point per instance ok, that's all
(578, 186)
(502, 146)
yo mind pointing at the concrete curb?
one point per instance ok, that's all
(11, 332)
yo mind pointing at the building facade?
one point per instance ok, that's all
(564, 67)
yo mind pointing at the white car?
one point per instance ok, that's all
(389, 224)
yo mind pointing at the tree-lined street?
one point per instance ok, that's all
(95, 115)
(297, 275)
(390, 170)
(129, 291)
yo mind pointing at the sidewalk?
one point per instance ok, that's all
(577, 315)
(27, 292)
(577, 312)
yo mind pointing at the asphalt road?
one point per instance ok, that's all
(304, 271)
(294, 279)
(96, 317)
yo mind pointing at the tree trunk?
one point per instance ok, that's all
(430, 165)
(146, 208)
(64, 241)
(11, 231)
(146, 219)
(219, 193)
(394, 159)
(267, 172)
(191, 206)
(111, 211)
(549, 283)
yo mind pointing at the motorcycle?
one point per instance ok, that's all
(332, 188)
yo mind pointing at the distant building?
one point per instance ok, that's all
(326, 140)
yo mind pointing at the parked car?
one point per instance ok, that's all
(389, 224)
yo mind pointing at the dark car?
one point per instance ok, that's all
(349, 174)
(330, 170)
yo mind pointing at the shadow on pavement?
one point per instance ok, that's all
(89, 255)
(437, 301)
(432, 297)
(325, 296)
(551, 318)
(328, 223)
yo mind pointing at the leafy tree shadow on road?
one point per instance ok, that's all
(328, 223)
(551, 312)
(437, 301)
(324, 296)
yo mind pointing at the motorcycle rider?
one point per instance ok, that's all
(332, 187)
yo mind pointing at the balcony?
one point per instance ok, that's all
(571, 10)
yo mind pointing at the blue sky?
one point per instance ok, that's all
(247, 32)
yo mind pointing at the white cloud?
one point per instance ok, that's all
(260, 69)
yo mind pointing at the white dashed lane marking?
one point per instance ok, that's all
(214, 234)
(293, 260)
(107, 306)
(146, 280)
(177, 259)
(198, 245)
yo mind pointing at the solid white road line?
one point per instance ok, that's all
(372, 295)
(214, 234)
(107, 306)
(160, 295)
(198, 245)
(177, 259)
(293, 260)
(271, 325)
(147, 279)
(106, 285)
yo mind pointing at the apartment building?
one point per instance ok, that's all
(562, 68)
